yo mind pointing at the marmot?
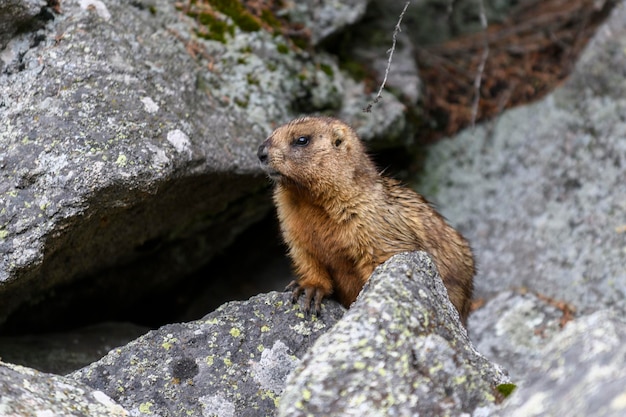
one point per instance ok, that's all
(341, 218)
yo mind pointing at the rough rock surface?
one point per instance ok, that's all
(541, 196)
(325, 18)
(16, 13)
(127, 143)
(399, 350)
(100, 146)
(26, 392)
(512, 326)
(233, 362)
(579, 373)
(540, 192)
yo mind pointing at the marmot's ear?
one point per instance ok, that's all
(339, 134)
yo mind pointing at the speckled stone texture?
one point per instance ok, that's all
(325, 18)
(26, 392)
(399, 350)
(541, 192)
(16, 13)
(233, 362)
(580, 373)
(514, 325)
(110, 155)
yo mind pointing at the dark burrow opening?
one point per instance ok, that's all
(255, 263)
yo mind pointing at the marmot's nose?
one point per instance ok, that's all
(262, 153)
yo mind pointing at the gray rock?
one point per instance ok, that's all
(540, 193)
(384, 126)
(26, 392)
(104, 134)
(372, 39)
(436, 21)
(512, 326)
(581, 372)
(324, 19)
(399, 350)
(15, 14)
(233, 362)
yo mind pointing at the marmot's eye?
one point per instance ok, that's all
(302, 141)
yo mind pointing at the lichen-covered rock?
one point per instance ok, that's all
(581, 372)
(19, 13)
(541, 196)
(512, 326)
(399, 350)
(540, 193)
(111, 155)
(326, 18)
(26, 393)
(232, 362)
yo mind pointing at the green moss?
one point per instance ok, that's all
(248, 23)
(269, 18)
(216, 28)
(327, 69)
(241, 103)
(354, 68)
(236, 11)
(282, 48)
(301, 43)
(252, 80)
(506, 389)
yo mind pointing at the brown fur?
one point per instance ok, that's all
(341, 218)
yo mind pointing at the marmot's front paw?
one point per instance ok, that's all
(311, 293)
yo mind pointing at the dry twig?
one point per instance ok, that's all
(396, 30)
(483, 62)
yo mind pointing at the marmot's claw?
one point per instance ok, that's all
(292, 285)
(319, 296)
(311, 294)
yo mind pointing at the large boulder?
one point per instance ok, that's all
(580, 372)
(111, 156)
(26, 392)
(232, 362)
(541, 197)
(539, 192)
(399, 350)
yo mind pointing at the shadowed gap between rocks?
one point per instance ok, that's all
(144, 256)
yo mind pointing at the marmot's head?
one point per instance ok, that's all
(315, 153)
